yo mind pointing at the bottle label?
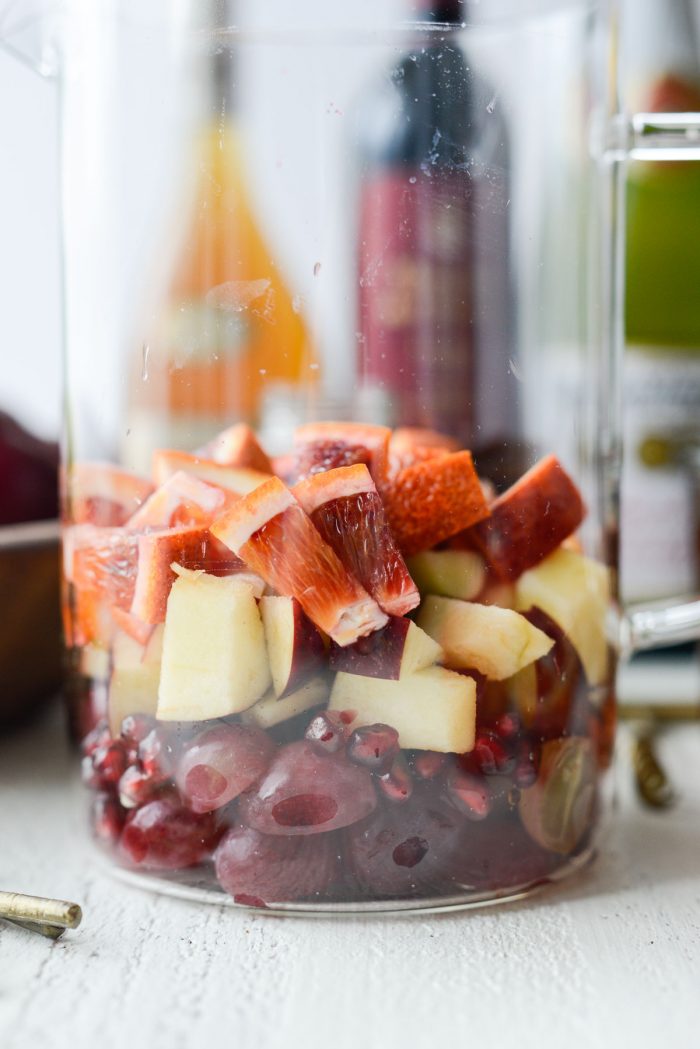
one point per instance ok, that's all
(659, 556)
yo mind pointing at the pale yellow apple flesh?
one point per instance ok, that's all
(214, 655)
(495, 641)
(434, 709)
(133, 684)
(449, 573)
(270, 711)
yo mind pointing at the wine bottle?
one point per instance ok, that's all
(662, 361)
(227, 329)
(434, 303)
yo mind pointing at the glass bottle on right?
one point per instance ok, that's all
(659, 555)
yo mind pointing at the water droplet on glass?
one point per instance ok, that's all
(145, 350)
(413, 180)
(492, 105)
(515, 370)
(317, 268)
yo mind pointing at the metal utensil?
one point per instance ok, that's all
(47, 917)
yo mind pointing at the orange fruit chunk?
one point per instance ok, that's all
(237, 446)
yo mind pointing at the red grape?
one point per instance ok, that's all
(265, 869)
(220, 763)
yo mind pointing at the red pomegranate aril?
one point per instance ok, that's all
(156, 753)
(163, 835)
(397, 784)
(469, 794)
(508, 726)
(97, 737)
(220, 763)
(107, 818)
(260, 869)
(374, 746)
(137, 786)
(307, 792)
(491, 756)
(109, 763)
(327, 732)
(135, 728)
(88, 774)
(427, 764)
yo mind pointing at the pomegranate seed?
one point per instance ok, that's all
(156, 754)
(374, 746)
(135, 728)
(164, 836)
(88, 774)
(428, 763)
(469, 794)
(107, 819)
(327, 732)
(136, 787)
(106, 766)
(98, 737)
(410, 852)
(508, 726)
(396, 785)
(491, 755)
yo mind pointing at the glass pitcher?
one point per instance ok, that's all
(342, 443)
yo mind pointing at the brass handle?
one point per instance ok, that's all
(48, 917)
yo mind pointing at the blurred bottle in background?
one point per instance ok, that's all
(662, 366)
(227, 329)
(434, 301)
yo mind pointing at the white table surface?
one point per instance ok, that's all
(610, 959)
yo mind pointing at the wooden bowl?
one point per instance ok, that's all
(30, 618)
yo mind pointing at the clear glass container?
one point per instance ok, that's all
(342, 445)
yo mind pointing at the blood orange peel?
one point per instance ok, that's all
(349, 515)
(431, 501)
(240, 479)
(276, 539)
(181, 500)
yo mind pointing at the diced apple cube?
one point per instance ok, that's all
(394, 652)
(575, 592)
(214, 657)
(448, 573)
(270, 711)
(133, 685)
(495, 641)
(434, 709)
(295, 647)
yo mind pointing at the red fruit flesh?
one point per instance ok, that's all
(378, 655)
(431, 501)
(263, 869)
(356, 438)
(374, 746)
(137, 787)
(101, 563)
(530, 520)
(396, 784)
(320, 456)
(164, 836)
(237, 446)
(307, 792)
(181, 500)
(349, 515)
(405, 850)
(220, 763)
(107, 818)
(103, 494)
(409, 445)
(276, 539)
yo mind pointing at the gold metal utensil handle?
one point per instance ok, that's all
(47, 917)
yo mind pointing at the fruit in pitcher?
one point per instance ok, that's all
(305, 791)
(237, 446)
(348, 514)
(261, 869)
(394, 652)
(273, 535)
(239, 479)
(323, 446)
(158, 551)
(214, 655)
(103, 494)
(220, 763)
(101, 564)
(448, 573)
(270, 710)
(495, 641)
(431, 501)
(530, 520)
(545, 692)
(295, 648)
(163, 835)
(574, 591)
(557, 810)
(433, 709)
(133, 684)
(409, 445)
(182, 500)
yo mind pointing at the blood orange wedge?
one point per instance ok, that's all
(190, 547)
(413, 444)
(431, 501)
(530, 519)
(328, 445)
(101, 564)
(240, 479)
(347, 511)
(237, 446)
(103, 494)
(271, 532)
(182, 500)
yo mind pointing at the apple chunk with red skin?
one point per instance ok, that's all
(397, 650)
(295, 647)
(530, 520)
(495, 641)
(433, 709)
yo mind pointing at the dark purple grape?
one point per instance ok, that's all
(220, 763)
(262, 869)
(305, 792)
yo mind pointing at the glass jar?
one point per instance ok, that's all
(341, 452)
